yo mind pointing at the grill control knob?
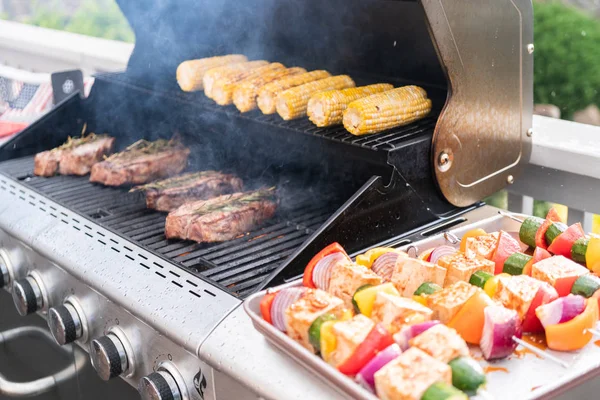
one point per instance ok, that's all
(4, 274)
(159, 385)
(27, 296)
(65, 323)
(109, 357)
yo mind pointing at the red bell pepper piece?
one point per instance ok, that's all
(540, 235)
(307, 279)
(265, 306)
(378, 339)
(553, 215)
(505, 247)
(561, 246)
(539, 254)
(545, 294)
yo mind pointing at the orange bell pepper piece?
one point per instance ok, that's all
(573, 335)
(469, 321)
(471, 233)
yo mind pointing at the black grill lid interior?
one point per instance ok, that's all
(380, 38)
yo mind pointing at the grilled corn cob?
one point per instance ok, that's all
(244, 94)
(386, 110)
(293, 102)
(327, 108)
(223, 89)
(228, 72)
(267, 95)
(191, 72)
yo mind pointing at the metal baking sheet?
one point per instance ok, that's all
(521, 376)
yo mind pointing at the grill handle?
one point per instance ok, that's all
(42, 385)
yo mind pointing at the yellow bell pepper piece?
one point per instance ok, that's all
(420, 299)
(491, 286)
(347, 314)
(328, 340)
(592, 254)
(370, 256)
(471, 233)
(366, 297)
(573, 334)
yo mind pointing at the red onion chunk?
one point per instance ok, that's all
(560, 310)
(440, 252)
(284, 299)
(324, 268)
(366, 376)
(403, 337)
(500, 325)
(362, 383)
(384, 265)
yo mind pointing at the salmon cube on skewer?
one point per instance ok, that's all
(346, 278)
(395, 312)
(516, 292)
(448, 301)
(558, 271)
(482, 246)
(410, 273)
(459, 267)
(349, 335)
(300, 315)
(442, 343)
(409, 375)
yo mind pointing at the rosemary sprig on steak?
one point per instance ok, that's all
(75, 142)
(234, 202)
(144, 147)
(168, 183)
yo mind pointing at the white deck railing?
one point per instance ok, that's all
(37, 49)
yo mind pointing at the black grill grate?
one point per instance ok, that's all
(239, 265)
(384, 141)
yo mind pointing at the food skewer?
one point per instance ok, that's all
(511, 216)
(542, 353)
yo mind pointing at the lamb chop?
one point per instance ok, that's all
(221, 218)
(142, 162)
(171, 193)
(75, 157)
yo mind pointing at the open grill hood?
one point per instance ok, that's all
(360, 191)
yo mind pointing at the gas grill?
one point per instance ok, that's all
(165, 314)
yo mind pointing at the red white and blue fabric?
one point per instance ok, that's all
(22, 103)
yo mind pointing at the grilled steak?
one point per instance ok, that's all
(75, 157)
(168, 194)
(142, 162)
(221, 218)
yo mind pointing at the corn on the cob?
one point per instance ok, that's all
(267, 96)
(327, 108)
(244, 94)
(223, 89)
(191, 72)
(292, 103)
(386, 110)
(229, 71)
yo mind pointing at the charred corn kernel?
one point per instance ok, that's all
(190, 73)
(267, 95)
(292, 103)
(386, 110)
(222, 90)
(245, 92)
(230, 71)
(327, 108)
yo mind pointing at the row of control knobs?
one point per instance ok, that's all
(108, 353)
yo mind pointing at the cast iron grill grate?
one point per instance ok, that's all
(239, 264)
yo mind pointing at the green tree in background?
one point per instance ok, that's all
(100, 18)
(567, 57)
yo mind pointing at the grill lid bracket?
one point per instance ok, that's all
(481, 140)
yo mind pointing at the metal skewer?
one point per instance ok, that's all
(594, 332)
(540, 352)
(451, 237)
(511, 216)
